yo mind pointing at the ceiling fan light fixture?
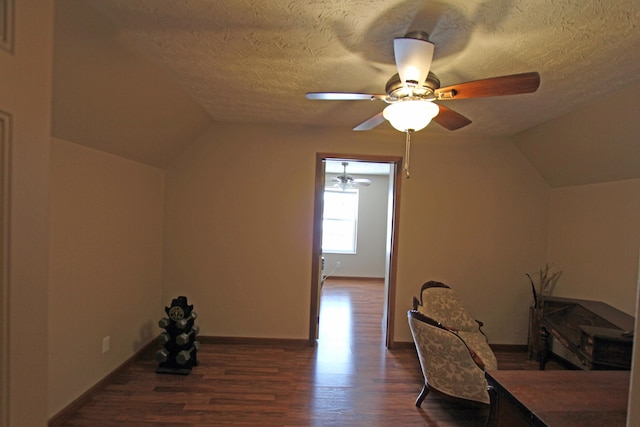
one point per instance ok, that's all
(346, 182)
(410, 115)
(344, 186)
(413, 58)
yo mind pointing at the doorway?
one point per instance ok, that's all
(391, 245)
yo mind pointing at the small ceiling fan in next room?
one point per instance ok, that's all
(414, 93)
(345, 182)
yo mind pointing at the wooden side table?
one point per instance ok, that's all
(558, 398)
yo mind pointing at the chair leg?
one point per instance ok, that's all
(422, 395)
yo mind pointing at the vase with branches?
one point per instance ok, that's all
(542, 284)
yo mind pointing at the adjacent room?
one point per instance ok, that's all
(152, 150)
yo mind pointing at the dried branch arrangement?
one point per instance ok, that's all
(547, 280)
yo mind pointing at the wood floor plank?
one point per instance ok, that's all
(349, 379)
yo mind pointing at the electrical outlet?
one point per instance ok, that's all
(106, 344)
(338, 265)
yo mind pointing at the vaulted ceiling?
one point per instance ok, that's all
(182, 65)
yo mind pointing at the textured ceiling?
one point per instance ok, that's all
(142, 79)
(253, 60)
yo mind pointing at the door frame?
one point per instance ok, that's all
(392, 261)
(5, 142)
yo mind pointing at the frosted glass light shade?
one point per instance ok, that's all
(413, 58)
(412, 114)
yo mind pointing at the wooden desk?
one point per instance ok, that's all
(592, 330)
(558, 398)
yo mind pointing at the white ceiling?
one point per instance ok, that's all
(357, 168)
(252, 61)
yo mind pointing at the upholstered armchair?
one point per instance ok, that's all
(453, 351)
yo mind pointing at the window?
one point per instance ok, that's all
(340, 221)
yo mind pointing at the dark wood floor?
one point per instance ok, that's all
(349, 379)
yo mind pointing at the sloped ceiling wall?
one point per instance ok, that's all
(108, 97)
(597, 142)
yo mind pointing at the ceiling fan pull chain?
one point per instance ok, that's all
(407, 149)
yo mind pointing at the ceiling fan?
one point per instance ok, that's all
(345, 181)
(412, 92)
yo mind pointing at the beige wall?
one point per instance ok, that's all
(238, 231)
(25, 94)
(239, 217)
(594, 238)
(106, 255)
(474, 215)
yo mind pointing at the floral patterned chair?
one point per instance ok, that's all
(453, 351)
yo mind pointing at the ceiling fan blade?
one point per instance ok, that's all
(449, 119)
(345, 96)
(363, 182)
(371, 122)
(413, 59)
(496, 86)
